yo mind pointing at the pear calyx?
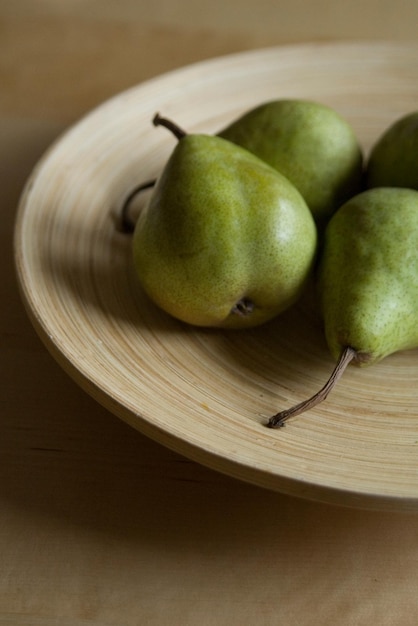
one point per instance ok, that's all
(347, 355)
(243, 307)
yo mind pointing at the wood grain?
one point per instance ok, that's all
(208, 394)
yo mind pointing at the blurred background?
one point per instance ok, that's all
(59, 58)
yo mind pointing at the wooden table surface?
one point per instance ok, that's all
(98, 524)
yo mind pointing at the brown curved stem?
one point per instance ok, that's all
(127, 224)
(278, 420)
(178, 132)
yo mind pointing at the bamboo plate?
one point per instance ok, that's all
(205, 393)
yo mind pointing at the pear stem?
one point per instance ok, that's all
(178, 132)
(278, 420)
(127, 224)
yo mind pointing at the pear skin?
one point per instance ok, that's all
(225, 239)
(393, 160)
(309, 143)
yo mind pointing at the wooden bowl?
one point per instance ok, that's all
(208, 393)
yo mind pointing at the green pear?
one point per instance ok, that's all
(225, 240)
(368, 276)
(368, 282)
(310, 144)
(393, 160)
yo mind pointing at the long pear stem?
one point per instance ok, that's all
(178, 132)
(127, 224)
(278, 420)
